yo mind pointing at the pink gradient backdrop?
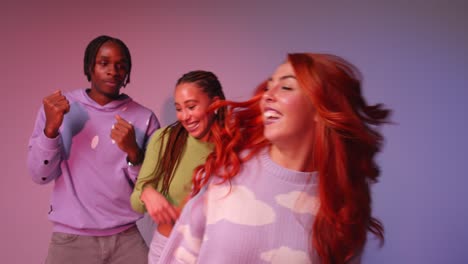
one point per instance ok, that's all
(413, 56)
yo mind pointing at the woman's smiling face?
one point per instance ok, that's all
(288, 113)
(191, 104)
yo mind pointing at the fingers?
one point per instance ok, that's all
(121, 127)
(161, 218)
(160, 210)
(57, 102)
(56, 106)
(166, 215)
(55, 96)
(123, 134)
(122, 122)
(118, 131)
(173, 213)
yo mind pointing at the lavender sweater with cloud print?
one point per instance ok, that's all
(264, 216)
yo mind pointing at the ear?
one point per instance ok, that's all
(214, 99)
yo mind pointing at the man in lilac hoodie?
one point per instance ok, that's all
(91, 143)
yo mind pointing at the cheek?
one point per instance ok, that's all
(201, 113)
(293, 105)
(301, 111)
(97, 75)
(304, 104)
(195, 114)
(93, 74)
(179, 116)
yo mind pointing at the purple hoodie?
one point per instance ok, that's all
(93, 181)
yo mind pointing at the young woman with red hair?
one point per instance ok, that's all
(289, 178)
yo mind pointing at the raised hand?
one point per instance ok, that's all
(123, 134)
(160, 210)
(55, 107)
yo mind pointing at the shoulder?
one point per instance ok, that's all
(130, 102)
(162, 130)
(141, 108)
(158, 134)
(75, 95)
(140, 112)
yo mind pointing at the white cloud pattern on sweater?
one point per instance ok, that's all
(238, 205)
(285, 255)
(298, 202)
(193, 243)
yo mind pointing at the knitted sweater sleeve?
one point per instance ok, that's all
(44, 154)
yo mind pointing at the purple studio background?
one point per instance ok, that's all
(413, 55)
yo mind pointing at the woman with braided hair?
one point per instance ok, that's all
(175, 151)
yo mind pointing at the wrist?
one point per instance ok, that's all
(133, 163)
(135, 158)
(51, 133)
(146, 194)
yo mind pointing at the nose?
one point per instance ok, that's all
(112, 70)
(270, 94)
(185, 115)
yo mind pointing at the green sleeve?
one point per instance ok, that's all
(147, 172)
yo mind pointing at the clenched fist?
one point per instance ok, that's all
(123, 134)
(55, 107)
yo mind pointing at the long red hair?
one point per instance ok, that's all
(345, 145)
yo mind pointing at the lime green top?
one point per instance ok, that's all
(195, 154)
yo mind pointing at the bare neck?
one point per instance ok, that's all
(298, 159)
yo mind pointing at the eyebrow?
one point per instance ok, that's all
(104, 57)
(283, 77)
(188, 101)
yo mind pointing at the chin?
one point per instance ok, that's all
(276, 136)
(200, 135)
(270, 136)
(195, 135)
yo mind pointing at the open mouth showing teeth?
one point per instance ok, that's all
(191, 126)
(271, 115)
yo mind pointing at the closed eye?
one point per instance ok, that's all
(103, 63)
